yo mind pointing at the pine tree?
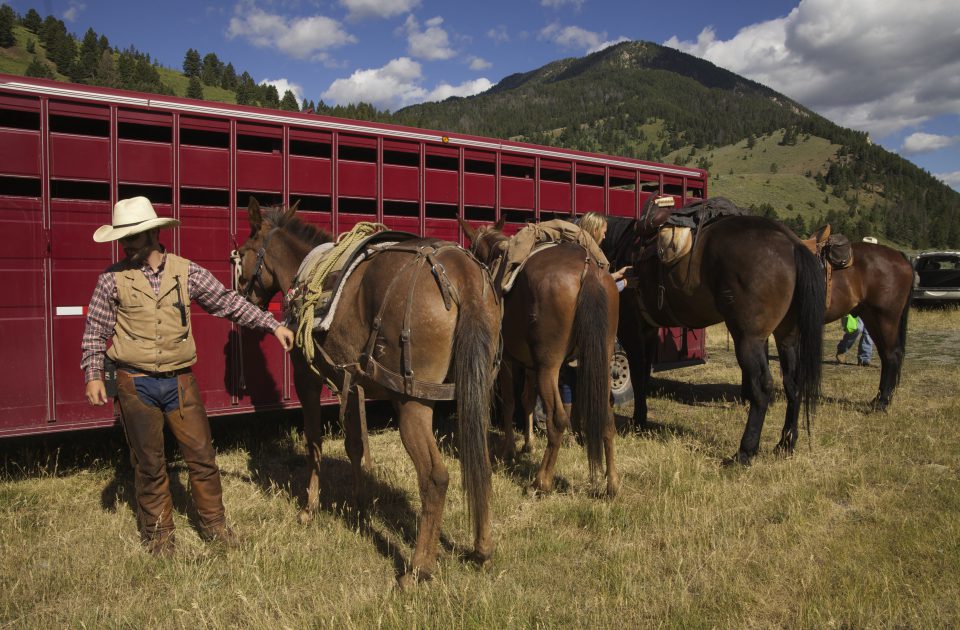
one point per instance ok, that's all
(32, 21)
(7, 19)
(39, 69)
(31, 46)
(289, 102)
(89, 55)
(228, 79)
(126, 70)
(191, 63)
(195, 89)
(106, 72)
(269, 96)
(246, 90)
(212, 70)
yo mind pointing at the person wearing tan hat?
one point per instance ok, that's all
(142, 304)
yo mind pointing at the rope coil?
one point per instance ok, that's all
(313, 281)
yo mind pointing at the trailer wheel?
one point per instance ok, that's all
(620, 385)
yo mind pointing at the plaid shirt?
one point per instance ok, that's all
(203, 288)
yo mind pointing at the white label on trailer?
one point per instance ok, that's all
(69, 310)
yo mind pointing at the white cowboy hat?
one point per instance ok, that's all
(132, 216)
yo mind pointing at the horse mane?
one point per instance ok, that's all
(293, 226)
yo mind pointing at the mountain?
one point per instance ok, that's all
(636, 99)
(642, 100)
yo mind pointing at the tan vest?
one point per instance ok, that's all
(150, 334)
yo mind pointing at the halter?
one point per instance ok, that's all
(235, 259)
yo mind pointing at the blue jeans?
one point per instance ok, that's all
(865, 350)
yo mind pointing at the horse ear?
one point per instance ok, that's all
(292, 210)
(469, 231)
(253, 211)
(499, 224)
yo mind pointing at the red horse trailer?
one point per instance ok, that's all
(69, 152)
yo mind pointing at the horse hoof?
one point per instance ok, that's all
(409, 580)
(613, 488)
(527, 448)
(305, 517)
(738, 459)
(478, 558)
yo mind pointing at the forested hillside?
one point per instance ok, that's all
(636, 99)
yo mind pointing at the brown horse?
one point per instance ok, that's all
(561, 306)
(427, 340)
(877, 287)
(753, 274)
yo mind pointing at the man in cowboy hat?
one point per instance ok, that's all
(142, 304)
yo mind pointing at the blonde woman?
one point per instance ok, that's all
(595, 225)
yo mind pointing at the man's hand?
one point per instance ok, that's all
(619, 273)
(285, 336)
(96, 392)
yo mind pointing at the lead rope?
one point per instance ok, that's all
(237, 271)
(314, 285)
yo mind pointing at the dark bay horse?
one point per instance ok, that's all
(754, 275)
(449, 341)
(561, 306)
(877, 287)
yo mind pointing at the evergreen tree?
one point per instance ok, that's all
(31, 47)
(126, 70)
(89, 55)
(191, 63)
(7, 19)
(269, 96)
(228, 79)
(212, 70)
(103, 44)
(32, 21)
(246, 90)
(289, 102)
(195, 89)
(106, 72)
(39, 69)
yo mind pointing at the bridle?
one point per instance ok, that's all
(256, 277)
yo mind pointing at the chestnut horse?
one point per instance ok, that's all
(754, 275)
(561, 306)
(877, 287)
(450, 340)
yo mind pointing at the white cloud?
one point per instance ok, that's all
(950, 179)
(467, 88)
(478, 63)
(283, 85)
(925, 142)
(499, 34)
(577, 38)
(608, 44)
(874, 66)
(360, 9)
(395, 85)
(302, 38)
(557, 4)
(431, 44)
(73, 12)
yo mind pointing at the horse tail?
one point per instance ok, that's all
(474, 368)
(592, 402)
(810, 302)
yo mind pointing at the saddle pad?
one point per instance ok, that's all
(331, 305)
(508, 283)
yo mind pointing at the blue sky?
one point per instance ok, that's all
(888, 67)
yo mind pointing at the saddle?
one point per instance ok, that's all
(833, 250)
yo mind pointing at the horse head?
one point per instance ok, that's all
(485, 242)
(256, 262)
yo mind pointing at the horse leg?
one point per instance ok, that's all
(889, 349)
(637, 345)
(416, 433)
(528, 400)
(308, 391)
(557, 423)
(508, 449)
(789, 368)
(752, 357)
(356, 445)
(609, 435)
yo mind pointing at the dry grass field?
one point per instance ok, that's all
(859, 529)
